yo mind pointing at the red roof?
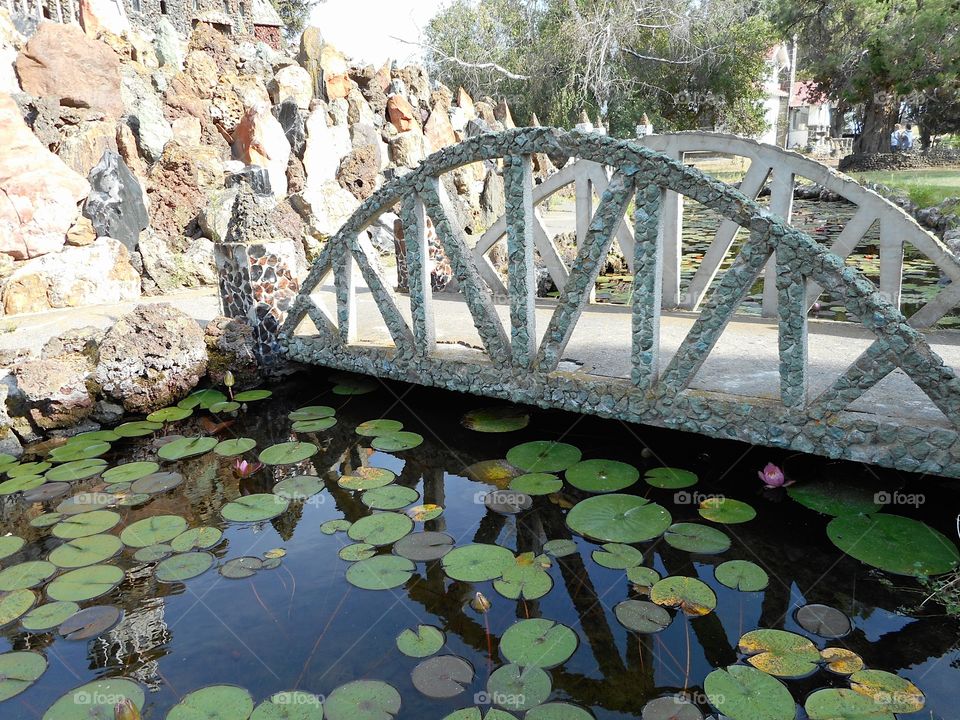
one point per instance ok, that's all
(804, 94)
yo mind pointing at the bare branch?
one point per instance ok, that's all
(463, 63)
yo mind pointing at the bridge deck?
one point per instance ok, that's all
(744, 363)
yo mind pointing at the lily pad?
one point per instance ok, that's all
(642, 616)
(477, 562)
(336, 525)
(26, 575)
(132, 499)
(617, 556)
(310, 426)
(198, 538)
(47, 491)
(493, 472)
(899, 545)
(424, 546)
(780, 653)
(96, 435)
(153, 553)
(96, 700)
(525, 578)
(741, 692)
(742, 575)
(643, 577)
(90, 622)
(255, 508)
(86, 502)
(844, 704)
(538, 642)
(475, 713)
(48, 616)
(73, 452)
(47, 519)
(383, 426)
(496, 419)
(21, 484)
(726, 510)
(557, 711)
(187, 447)
(841, 661)
(507, 502)
(15, 603)
(390, 497)
(224, 407)
(888, 690)
(234, 446)
(252, 395)
(823, 620)
(835, 497)
(363, 700)
(537, 484)
(354, 386)
(183, 566)
(397, 441)
(670, 707)
(443, 676)
(86, 551)
(602, 476)
(202, 399)
(696, 538)
(288, 453)
(670, 478)
(691, 595)
(216, 702)
(153, 530)
(156, 483)
(380, 528)
(560, 548)
(129, 472)
(85, 524)
(420, 642)
(137, 428)
(382, 572)
(618, 518)
(169, 414)
(366, 478)
(519, 688)
(290, 705)
(241, 567)
(298, 487)
(30, 468)
(424, 513)
(311, 412)
(85, 583)
(356, 551)
(543, 456)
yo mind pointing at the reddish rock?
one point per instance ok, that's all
(99, 15)
(334, 71)
(438, 129)
(402, 114)
(60, 61)
(259, 140)
(358, 172)
(503, 114)
(465, 103)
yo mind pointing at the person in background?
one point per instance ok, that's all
(906, 139)
(895, 137)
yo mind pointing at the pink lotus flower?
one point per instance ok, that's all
(244, 469)
(772, 476)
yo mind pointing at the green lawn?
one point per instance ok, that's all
(925, 187)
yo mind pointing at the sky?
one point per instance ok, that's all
(365, 30)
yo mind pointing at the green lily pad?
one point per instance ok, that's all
(835, 498)
(537, 484)
(47, 519)
(202, 399)
(397, 441)
(691, 595)
(15, 603)
(443, 676)
(380, 528)
(844, 704)
(72, 452)
(823, 620)
(696, 538)
(602, 476)
(381, 572)
(899, 545)
(198, 538)
(726, 510)
(95, 436)
(356, 551)
(96, 700)
(299, 487)
(153, 553)
(617, 556)
(670, 707)
(560, 548)
(156, 483)
(420, 642)
(642, 616)
(383, 426)
(187, 447)
(290, 705)
(85, 583)
(519, 688)
(334, 526)
(424, 546)
(169, 414)
(252, 395)
(90, 622)
(670, 478)
(48, 616)
(318, 425)
(183, 566)
(85, 524)
(21, 484)
(741, 575)
(137, 428)
(891, 691)
(477, 562)
(30, 468)
(26, 575)
(643, 577)
(354, 386)
(780, 653)
(363, 700)
(525, 578)
(132, 499)
(543, 456)
(216, 702)
(741, 692)
(235, 446)
(241, 567)
(312, 412)
(538, 642)
(390, 497)
(224, 407)
(366, 478)
(557, 711)
(475, 713)
(86, 502)
(618, 518)
(424, 513)
(496, 419)
(129, 472)
(255, 508)
(153, 530)
(86, 551)
(288, 453)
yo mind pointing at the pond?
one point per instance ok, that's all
(599, 631)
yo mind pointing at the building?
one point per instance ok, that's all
(810, 116)
(775, 101)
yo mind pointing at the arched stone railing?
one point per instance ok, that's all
(521, 364)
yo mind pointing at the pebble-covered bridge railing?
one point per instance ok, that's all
(518, 368)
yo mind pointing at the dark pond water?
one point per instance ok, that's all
(303, 626)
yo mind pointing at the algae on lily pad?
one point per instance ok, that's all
(601, 476)
(234, 446)
(741, 692)
(696, 538)
(86, 551)
(617, 556)
(288, 453)
(382, 426)
(538, 642)
(15, 603)
(537, 484)
(298, 487)
(424, 546)
(290, 705)
(85, 583)
(90, 622)
(442, 676)
(396, 441)
(477, 562)
(255, 508)
(424, 513)
(153, 530)
(216, 702)
(726, 510)
(366, 478)
(493, 472)
(670, 478)
(642, 616)
(841, 660)
(836, 497)
(618, 518)
(844, 704)
(823, 620)
(519, 688)
(420, 642)
(96, 700)
(891, 691)
(389, 497)
(380, 528)
(741, 575)
(543, 456)
(129, 472)
(780, 653)
(897, 544)
(198, 538)
(48, 616)
(85, 524)
(362, 700)
(183, 566)
(691, 595)
(26, 575)
(496, 419)
(381, 572)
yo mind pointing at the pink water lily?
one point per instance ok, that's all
(772, 476)
(244, 469)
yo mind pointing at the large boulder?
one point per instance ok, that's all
(291, 83)
(58, 392)
(151, 358)
(325, 148)
(115, 205)
(294, 123)
(177, 185)
(10, 42)
(311, 47)
(259, 140)
(99, 15)
(167, 45)
(214, 218)
(439, 130)
(402, 114)
(233, 96)
(176, 262)
(144, 114)
(358, 172)
(408, 149)
(83, 144)
(60, 61)
(326, 208)
(334, 73)
(39, 194)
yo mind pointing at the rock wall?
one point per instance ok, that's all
(937, 157)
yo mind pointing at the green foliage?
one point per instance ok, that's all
(295, 14)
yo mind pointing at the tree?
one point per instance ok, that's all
(295, 15)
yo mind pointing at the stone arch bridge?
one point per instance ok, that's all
(877, 389)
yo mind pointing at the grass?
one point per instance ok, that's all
(925, 187)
